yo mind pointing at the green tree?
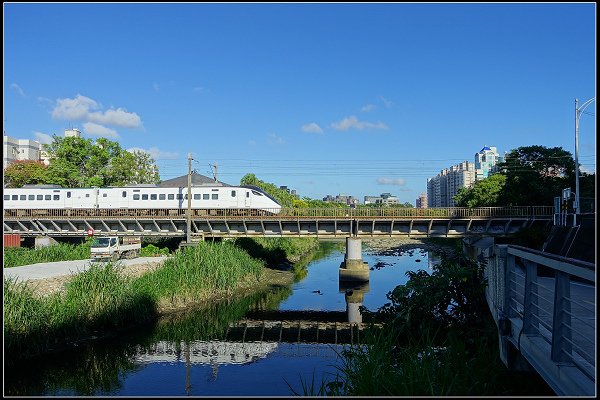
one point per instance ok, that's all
(78, 162)
(25, 172)
(484, 193)
(535, 175)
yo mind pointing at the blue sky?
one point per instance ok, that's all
(352, 98)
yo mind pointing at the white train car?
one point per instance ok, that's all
(140, 198)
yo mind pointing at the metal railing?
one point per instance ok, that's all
(341, 213)
(553, 296)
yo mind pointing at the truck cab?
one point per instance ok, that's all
(114, 247)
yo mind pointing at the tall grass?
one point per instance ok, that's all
(102, 299)
(17, 256)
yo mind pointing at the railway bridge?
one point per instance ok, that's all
(327, 222)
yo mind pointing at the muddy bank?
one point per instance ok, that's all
(397, 246)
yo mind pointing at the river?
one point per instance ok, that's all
(217, 351)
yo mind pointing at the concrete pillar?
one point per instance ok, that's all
(44, 241)
(353, 268)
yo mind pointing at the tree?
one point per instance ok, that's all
(484, 193)
(535, 175)
(77, 162)
(25, 172)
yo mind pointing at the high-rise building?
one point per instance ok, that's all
(421, 201)
(443, 187)
(485, 162)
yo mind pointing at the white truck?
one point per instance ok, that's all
(115, 247)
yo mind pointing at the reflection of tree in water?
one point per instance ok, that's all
(98, 368)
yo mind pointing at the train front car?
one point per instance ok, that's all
(263, 201)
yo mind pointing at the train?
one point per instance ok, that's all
(140, 200)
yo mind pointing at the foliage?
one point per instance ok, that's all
(77, 162)
(535, 175)
(152, 251)
(450, 298)
(17, 256)
(484, 193)
(101, 298)
(25, 172)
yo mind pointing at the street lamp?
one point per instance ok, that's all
(578, 111)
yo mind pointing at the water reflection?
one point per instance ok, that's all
(259, 345)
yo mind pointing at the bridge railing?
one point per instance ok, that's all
(383, 212)
(553, 297)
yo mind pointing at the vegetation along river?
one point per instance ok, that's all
(248, 346)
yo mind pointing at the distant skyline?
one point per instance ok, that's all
(327, 99)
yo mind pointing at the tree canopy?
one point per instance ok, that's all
(78, 162)
(535, 175)
(25, 172)
(484, 193)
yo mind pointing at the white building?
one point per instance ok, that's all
(384, 198)
(443, 187)
(20, 149)
(73, 132)
(485, 162)
(421, 201)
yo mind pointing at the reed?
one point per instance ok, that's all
(102, 299)
(17, 256)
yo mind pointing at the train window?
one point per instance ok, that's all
(162, 196)
(153, 197)
(205, 196)
(215, 190)
(56, 197)
(68, 195)
(87, 195)
(136, 190)
(31, 197)
(197, 196)
(47, 197)
(144, 197)
(124, 194)
(104, 195)
(256, 193)
(233, 193)
(7, 197)
(179, 196)
(185, 197)
(215, 196)
(15, 197)
(40, 197)
(23, 197)
(136, 196)
(247, 194)
(171, 197)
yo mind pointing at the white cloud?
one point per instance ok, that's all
(198, 89)
(367, 108)
(156, 153)
(93, 129)
(17, 89)
(85, 109)
(252, 142)
(156, 87)
(274, 139)
(352, 122)
(587, 170)
(389, 181)
(42, 137)
(312, 128)
(386, 102)
(119, 117)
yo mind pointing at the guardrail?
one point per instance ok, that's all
(548, 303)
(341, 213)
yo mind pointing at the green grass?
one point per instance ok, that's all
(102, 299)
(17, 256)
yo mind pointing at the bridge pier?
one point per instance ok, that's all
(354, 294)
(353, 268)
(44, 241)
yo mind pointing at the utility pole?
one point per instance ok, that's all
(189, 197)
(578, 111)
(216, 168)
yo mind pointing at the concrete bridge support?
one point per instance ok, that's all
(354, 294)
(353, 268)
(44, 241)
